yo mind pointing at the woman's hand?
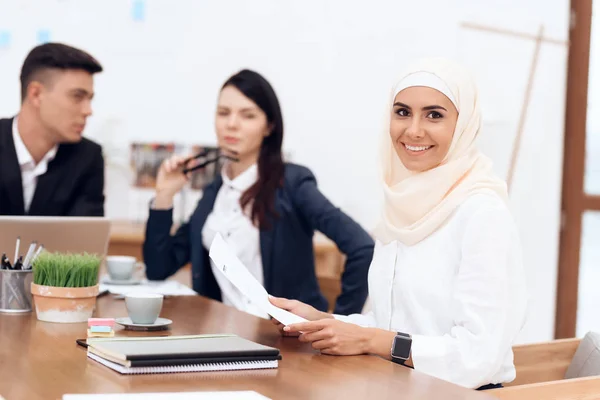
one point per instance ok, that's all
(170, 180)
(331, 336)
(298, 308)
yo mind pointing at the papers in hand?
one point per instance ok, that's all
(227, 262)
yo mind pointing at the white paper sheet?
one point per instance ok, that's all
(243, 395)
(167, 288)
(225, 260)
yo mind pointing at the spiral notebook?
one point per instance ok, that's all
(168, 354)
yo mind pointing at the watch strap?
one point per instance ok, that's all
(400, 336)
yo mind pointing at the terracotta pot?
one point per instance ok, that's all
(64, 304)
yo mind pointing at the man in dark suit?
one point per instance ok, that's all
(46, 166)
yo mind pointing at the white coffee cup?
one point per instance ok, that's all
(143, 308)
(121, 268)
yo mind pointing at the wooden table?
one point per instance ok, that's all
(127, 237)
(40, 360)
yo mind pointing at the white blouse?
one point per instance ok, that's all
(238, 231)
(461, 294)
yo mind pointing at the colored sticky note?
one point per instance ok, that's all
(100, 334)
(101, 321)
(4, 39)
(43, 36)
(100, 328)
(138, 10)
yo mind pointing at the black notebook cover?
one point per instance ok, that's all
(205, 360)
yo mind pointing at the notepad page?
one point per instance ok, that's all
(228, 366)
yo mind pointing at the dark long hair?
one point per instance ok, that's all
(270, 161)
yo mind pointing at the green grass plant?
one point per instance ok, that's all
(66, 269)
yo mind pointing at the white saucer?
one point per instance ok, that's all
(132, 281)
(159, 324)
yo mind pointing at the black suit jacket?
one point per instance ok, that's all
(286, 249)
(73, 185)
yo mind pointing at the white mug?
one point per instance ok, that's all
(121, 268)
(143, 308)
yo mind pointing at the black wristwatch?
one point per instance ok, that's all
(401, 348)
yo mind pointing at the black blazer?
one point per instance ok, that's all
(286, 249)
(72, 186)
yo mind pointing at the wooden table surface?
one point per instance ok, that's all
(40, 360)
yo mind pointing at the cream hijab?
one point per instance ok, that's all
(416, 204)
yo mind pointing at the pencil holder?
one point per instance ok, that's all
(15, 291)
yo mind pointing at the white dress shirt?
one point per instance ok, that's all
(460, 293)
(30, 171)
(239, 232)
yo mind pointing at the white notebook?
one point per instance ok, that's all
(228, 366)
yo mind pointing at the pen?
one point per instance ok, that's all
(19, 263)
(17, 249)
(5, 263)
(29, 254)
(37, 253)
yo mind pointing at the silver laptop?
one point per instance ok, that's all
(64, 234)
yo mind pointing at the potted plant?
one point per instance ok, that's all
(65, 286)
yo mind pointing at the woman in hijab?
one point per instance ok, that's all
(446, 284)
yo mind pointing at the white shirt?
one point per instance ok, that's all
(460, 293)
(30, 171)
(238, 231)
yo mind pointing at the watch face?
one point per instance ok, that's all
(402, 347)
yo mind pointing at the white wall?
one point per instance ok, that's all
(332, 64)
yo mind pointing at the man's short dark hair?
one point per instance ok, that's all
(54, 56)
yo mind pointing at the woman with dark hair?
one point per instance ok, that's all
(267, 210)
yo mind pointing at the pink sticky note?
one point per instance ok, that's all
(101, 322)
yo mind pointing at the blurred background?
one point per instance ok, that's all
(332, 63)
